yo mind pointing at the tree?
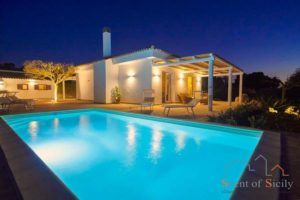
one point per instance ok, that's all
(291, 82)
(257, 84)
(56, 72)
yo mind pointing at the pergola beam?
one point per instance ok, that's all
(179, 61)
(217, 75)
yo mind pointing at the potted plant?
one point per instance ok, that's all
(116, 95)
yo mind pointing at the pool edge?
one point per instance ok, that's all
(268, 146)
(185, 122)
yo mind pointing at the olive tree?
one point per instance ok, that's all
(55, 72)
(291, 82)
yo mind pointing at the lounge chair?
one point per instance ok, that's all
(4, 104)
(190, 105)
(148, 95)
(28, 103)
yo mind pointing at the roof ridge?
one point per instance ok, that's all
(130, 52)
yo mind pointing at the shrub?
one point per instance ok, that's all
(241, 114)
(256, 114)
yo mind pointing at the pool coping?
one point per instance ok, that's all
(24, 163)
(269, 146)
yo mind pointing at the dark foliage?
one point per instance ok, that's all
(255, 114)
(9, 66)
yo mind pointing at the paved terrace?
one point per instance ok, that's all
(201, 111)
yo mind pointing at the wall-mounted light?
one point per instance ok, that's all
(181, 76)
(156, 75)
(2, 86)
(31, 82)
(130, 74)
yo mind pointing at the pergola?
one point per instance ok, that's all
(206, 65)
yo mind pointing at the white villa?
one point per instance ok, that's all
(151, 68)
(166, 74)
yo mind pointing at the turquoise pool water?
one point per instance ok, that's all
(112, 155)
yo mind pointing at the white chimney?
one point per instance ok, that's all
(106, 42)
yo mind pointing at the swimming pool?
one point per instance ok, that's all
(115, 155)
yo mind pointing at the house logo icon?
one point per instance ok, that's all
(264, 176)
(261, 158)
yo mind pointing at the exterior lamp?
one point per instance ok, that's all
(181, 77)
(2, 86)
(31, 82)
(131, 74)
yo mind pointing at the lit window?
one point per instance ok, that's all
(22, 86)
(42, 87)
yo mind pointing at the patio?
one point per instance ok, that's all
(201, 112)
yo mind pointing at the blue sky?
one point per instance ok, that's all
(255, 35)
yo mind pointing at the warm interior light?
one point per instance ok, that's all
(181, 76)
(2, 86)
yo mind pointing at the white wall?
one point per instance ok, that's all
(99, 82)
(95, 81)
(10, 84)
(134, 77)
(112, 80)
(85, 82)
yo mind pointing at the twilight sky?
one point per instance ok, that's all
(256, 35)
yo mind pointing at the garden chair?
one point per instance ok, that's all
(190, 105)
(28, 103)
(148, 99)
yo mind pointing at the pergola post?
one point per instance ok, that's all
(210, 83)
(63, 90)
(229, 96)
(241, 88)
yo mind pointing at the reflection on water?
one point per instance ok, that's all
(197, 140)
(180, 140)
(61, 153)
(55, 125)
(131, 144)
(33, 129)
(156, 140)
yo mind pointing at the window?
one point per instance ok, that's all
(22, 86)
(42, 87)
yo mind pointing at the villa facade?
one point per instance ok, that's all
(166, 74)
(151, 68)
(25, 86)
